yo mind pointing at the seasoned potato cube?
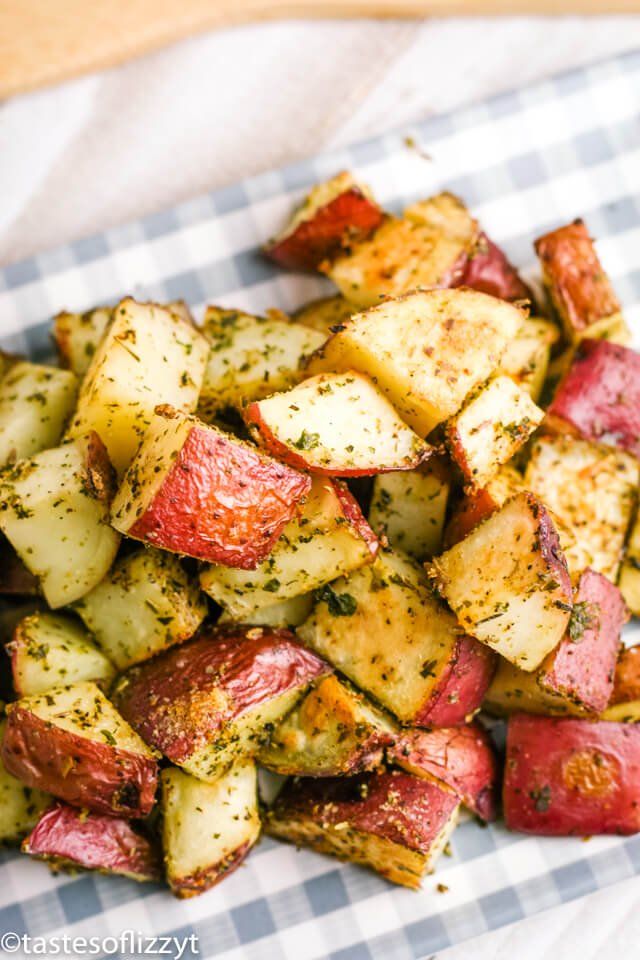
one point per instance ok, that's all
(428, 247)
(337, 424)
(489, 271)
(629, 581)
(332, 732)
(333, 214)
(329, 538)
(325, 313)
(624, 705)
(286, 613)
(409, 507)
(147, 356)
(508, 583)
(384, 629)
(426, 351)
(567, 777)
(35, 404)
(592, 490)
(49, 650)
(526, 357)
(599, 398)
(145, 604)
(477, 505)
(195, 490)
(20, 806)
(73, 743)
(393, 822)
(578, 287)
(577, 676)
(216, 699)
(250, 358)
(491, 427)
(207, 828)
(71, 839)
(461, 758)
(77, 336)
(54, 509)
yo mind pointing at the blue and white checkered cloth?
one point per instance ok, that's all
(525, 162)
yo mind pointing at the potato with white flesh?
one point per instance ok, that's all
(71, 839)
(146, 603)
(52, 649)
(324, 314)
(629, 580)
(54, 509)
(250, 358)
(526, 358)
(599, 398)
(20, 806)
(216, 699)
(286, 613)
(73, 743)
(491, 427)
(329, 538)
(35, 403)
(337, 424)
(383, 628)
(577, 676)
(476, 505)
(194, 490)
(393, 822)
(207, 828)
(333, 214)
(577, 285)
(624, 704)
(147, 356)
(426, 350)
(460, 758)
(592, 489)
(77, 336)
(508, 582)
(428, 246)
(410, 507)
(332, 732)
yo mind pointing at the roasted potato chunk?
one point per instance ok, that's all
(489, 271)
(393, 822)
(77, 336)
(72, 742)
(508, 582)
(629, 581)
(624, 705)
(216, 699)
(477, 505)
(207, 828)
(35, 404)
(567, 777)
(526, 358)
(324, 314)
(410, 507)
(20, 806)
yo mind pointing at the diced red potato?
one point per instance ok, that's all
(599, 398)
(333, 214)
(215, 699)
(20, 806)
(462, 686)
(195, 490)
(569, 777)
(68, 838)
(336, 424)
(393, 822)
(489, 271)
(477, 505)
(72, 742)
(462, 758)
(624, 705)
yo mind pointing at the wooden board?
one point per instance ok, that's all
(46, 41)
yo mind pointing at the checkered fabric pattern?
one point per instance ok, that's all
(525, 162)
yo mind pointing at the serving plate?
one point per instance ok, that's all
(525, 162)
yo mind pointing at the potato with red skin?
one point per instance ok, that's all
(578, 287)
(72, 742)
(599, 398)
(577, 676)
(624, 704)
(215, 699)
(195, 490)
(68, 838)
(569, 777)
(393, 822)
(462, 687)
(489, 271)
(477, 505)
(462, 758)
(333, 214)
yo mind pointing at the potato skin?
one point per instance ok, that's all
(68, 837)
(349, 215)
(460, 757)
(599, 398)
(488, 271)
(568, 777)
(222, 502)
(181, 699)
(83, 772)
(462, 687)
